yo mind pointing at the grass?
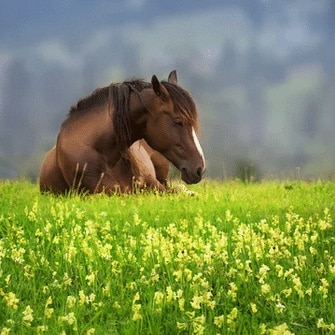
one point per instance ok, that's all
(232, 259)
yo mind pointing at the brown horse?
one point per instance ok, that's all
(123, 137)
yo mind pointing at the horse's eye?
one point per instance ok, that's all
(178, 122)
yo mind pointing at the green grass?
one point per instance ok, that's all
(232, 259)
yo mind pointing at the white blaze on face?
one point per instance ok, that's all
(198, 146)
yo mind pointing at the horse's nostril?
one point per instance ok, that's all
(199, 171)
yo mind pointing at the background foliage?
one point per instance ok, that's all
(262, 73)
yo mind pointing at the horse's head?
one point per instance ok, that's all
(172, 128)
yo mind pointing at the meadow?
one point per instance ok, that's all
(232, 258)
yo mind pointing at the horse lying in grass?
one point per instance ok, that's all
(122, 137)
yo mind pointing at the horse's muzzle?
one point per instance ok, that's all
(192, 176)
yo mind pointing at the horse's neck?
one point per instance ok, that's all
(107, 141)
(140, 103)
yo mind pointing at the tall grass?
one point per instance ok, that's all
(231, 259)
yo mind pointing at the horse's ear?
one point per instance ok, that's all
(173, 77)
(156, 85)
(158, 88)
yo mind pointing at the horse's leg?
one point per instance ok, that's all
(51, 178)
(143, 168)
(160, 163)
(131, 173)
(162, 167)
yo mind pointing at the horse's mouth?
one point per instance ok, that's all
(191, 177)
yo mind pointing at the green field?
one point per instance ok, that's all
(233, 258)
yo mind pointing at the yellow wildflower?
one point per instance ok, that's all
(219, 320)
(232, 316)
(288, 273)
(181, 304)
(309, 291)
(232, 292)
(262, 328)
(7, 280)
(280, 307)
(196, 301)
(28, 316)
(49, 301)
(182, 325)
(116, 305)
(263, 271)
(90, 278)
(11, 300)
(323, 288)
(298, 286)
(71, 301)
(280, 270)
(280, 330)
(48, 312)
(82, 297)
(90, 298)
(67, 279)
(265, 288)
(5, 331)
(136, 297)
(17, 255)
(41, 329)
(158, 298)
(323, 224)
(198, 328)
(170, 294)
(313, 250)
(321, 324)
(178, 274)
(70, 319)
(253, 308)
(229, 216)
(136, 308)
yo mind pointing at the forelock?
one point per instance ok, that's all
(183, 102)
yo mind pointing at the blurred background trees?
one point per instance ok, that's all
(261, 71)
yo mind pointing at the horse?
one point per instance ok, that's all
(122, 138)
